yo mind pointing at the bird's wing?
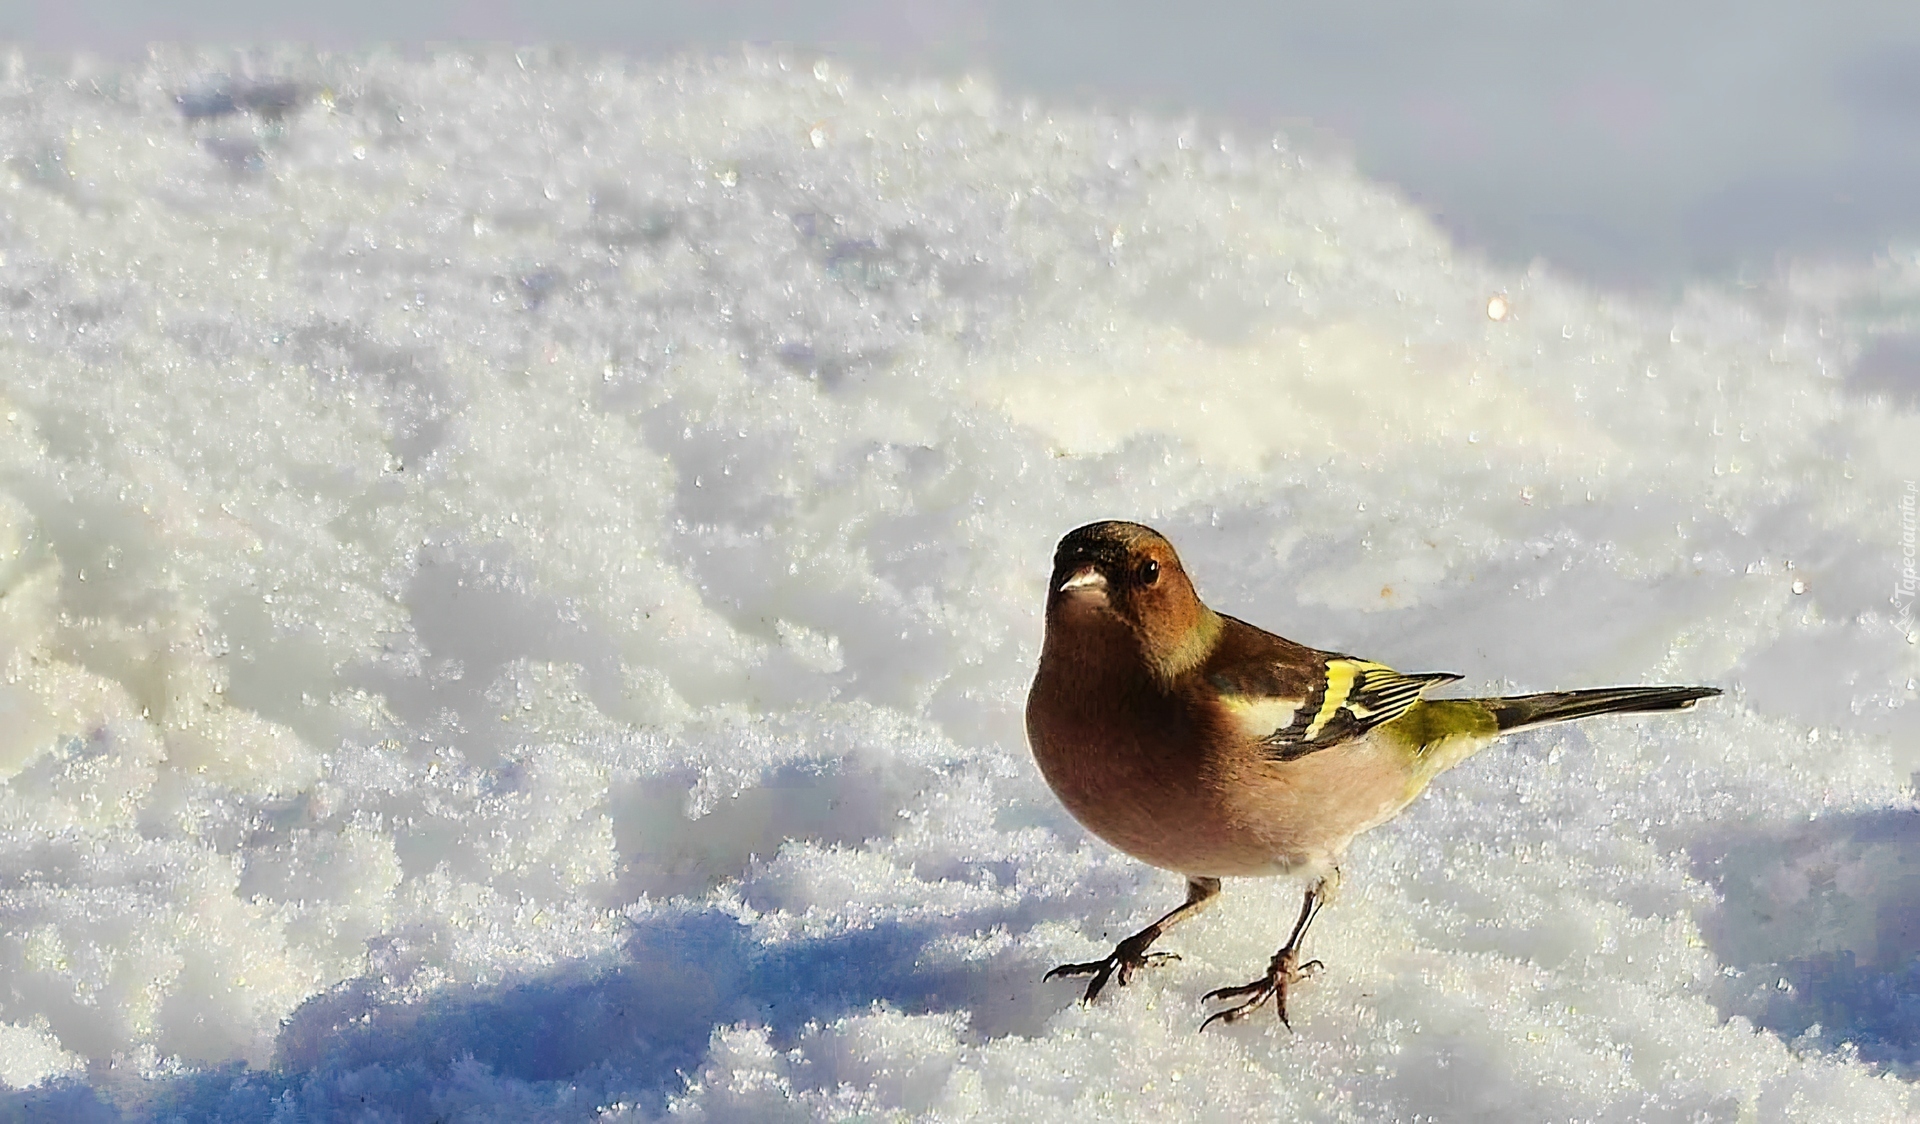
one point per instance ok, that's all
(1353, 697)
(1305, 704)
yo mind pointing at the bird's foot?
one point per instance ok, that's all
(1126, 958)
(1284, 971)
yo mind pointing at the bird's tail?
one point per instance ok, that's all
(1518, 711)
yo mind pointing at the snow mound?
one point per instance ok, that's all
(519, 573)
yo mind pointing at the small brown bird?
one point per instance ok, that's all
(1203, 745)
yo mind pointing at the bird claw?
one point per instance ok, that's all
(1126, 958)
(1282, 973)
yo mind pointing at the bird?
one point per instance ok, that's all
(1200, 744)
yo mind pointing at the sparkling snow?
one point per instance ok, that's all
(519, 574)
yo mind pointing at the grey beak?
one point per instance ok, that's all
(1086, 577)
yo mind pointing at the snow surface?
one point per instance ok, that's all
(520, 575)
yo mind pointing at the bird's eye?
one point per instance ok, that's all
(1149, 572)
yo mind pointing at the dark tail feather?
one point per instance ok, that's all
(1559, 706)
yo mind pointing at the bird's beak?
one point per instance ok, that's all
(1087, 577)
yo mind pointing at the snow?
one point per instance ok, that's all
(520, 574)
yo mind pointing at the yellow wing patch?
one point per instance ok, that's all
(1341, 676)
(1354, 697)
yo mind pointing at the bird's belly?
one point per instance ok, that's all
(1306, 811)
(1247, 816)
(1194, 844)
(1138, 797)
(1181, 835)
(1164, 805)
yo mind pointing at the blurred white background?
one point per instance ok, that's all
(1636, 144)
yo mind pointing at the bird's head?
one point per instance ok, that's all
(1128, 574)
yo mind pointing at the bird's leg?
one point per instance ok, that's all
(1282, 972)
(1131, 954)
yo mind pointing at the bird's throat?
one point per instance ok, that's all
(1087, 642)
